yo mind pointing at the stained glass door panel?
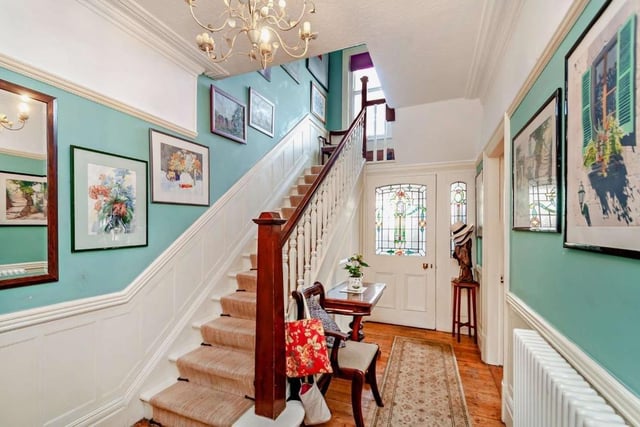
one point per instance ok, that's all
(400, 246)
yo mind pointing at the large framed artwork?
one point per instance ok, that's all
(228, 116)
(261, 113)
(293, 69)
(24, 200)
(535, 169)
(108, 200)
(602, 153)
(179, 170)
(318, 66)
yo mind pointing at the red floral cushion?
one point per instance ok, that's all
(306, 348)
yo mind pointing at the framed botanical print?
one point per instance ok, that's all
(179, 170)
(602, 153)
(318, 103)
(108, 200)
(318, 66)
(535, 170)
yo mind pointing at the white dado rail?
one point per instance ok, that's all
(86, 362)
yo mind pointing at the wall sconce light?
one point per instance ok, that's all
(23, 116)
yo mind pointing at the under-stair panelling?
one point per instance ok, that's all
(223, 367)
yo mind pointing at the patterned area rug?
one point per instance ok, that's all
(421, 387)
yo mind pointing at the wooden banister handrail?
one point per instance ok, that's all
(295, 217)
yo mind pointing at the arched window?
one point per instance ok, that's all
(401, 220)
(458, 204)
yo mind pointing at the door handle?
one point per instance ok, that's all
(426, 266)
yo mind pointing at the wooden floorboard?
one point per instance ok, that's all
(481, 382)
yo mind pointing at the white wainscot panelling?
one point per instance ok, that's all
(159, 300)
(20, 383)
(416, 297)
(68, 372)
(215, 243)
(118, 349)
(188, 273)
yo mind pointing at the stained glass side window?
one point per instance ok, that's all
(458, 205)
(401, 220)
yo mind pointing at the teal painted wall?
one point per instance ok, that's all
(592, 299)
(88, 124)
(334, 107)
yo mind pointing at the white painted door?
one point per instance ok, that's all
(401, 250)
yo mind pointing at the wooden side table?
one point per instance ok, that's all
(339, 301)
(471, 323)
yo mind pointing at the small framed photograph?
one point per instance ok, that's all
(228, 116)
(318, 66)
(536, 169)
(293, 69)
(318, 103)
(24, 199)
(261, 113)
(602, 152)
(266, 73)
(108, 200)
(179, 170)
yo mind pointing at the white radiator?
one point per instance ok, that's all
(548, 392)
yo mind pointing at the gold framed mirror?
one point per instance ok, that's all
(28, 187)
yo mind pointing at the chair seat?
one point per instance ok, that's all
(357, 355)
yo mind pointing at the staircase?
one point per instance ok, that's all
(216, 381)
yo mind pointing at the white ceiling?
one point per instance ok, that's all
(424, 50)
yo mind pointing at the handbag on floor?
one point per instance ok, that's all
(316, 410)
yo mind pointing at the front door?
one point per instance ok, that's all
(399, 240)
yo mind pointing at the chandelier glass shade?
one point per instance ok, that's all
(262, 21)
(23, 116)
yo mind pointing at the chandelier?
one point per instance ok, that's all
(261, 21)
(23, 116)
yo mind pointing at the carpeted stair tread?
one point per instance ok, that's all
(185, 404)
(221, 368)
(240, 305)
(287, 211)
(247, 280)
(296, 199)
(231, 331)
(309, 178)
(303, 188)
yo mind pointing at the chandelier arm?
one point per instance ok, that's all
(289, 25)
(9, 126)
(290, 49)
(230, 51)
(208, 27)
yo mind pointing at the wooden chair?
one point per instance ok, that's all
(355, 361)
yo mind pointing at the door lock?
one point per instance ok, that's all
(426, 266)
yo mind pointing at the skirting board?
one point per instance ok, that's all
(624, 401)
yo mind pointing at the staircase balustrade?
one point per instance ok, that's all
(290, 251)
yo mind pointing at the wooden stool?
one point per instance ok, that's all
(471, 322)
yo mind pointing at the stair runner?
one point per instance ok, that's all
(216, 383)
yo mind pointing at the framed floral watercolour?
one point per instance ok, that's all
(318, 103)
(535, 170)
(108, 200)
(25, 200)
(261, 113)
(602, 152)
(228, 116)
(179, 170)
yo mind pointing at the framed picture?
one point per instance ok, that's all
(535, 170)
(108, 200)
(228, 116)
(179, 170)
(24, 199)
(293, 69)
(318, 103)
(266, 73)
(318, 66)
(602, 153)
(261, 113)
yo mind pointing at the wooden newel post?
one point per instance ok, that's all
(270, 374)
(363, 96)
